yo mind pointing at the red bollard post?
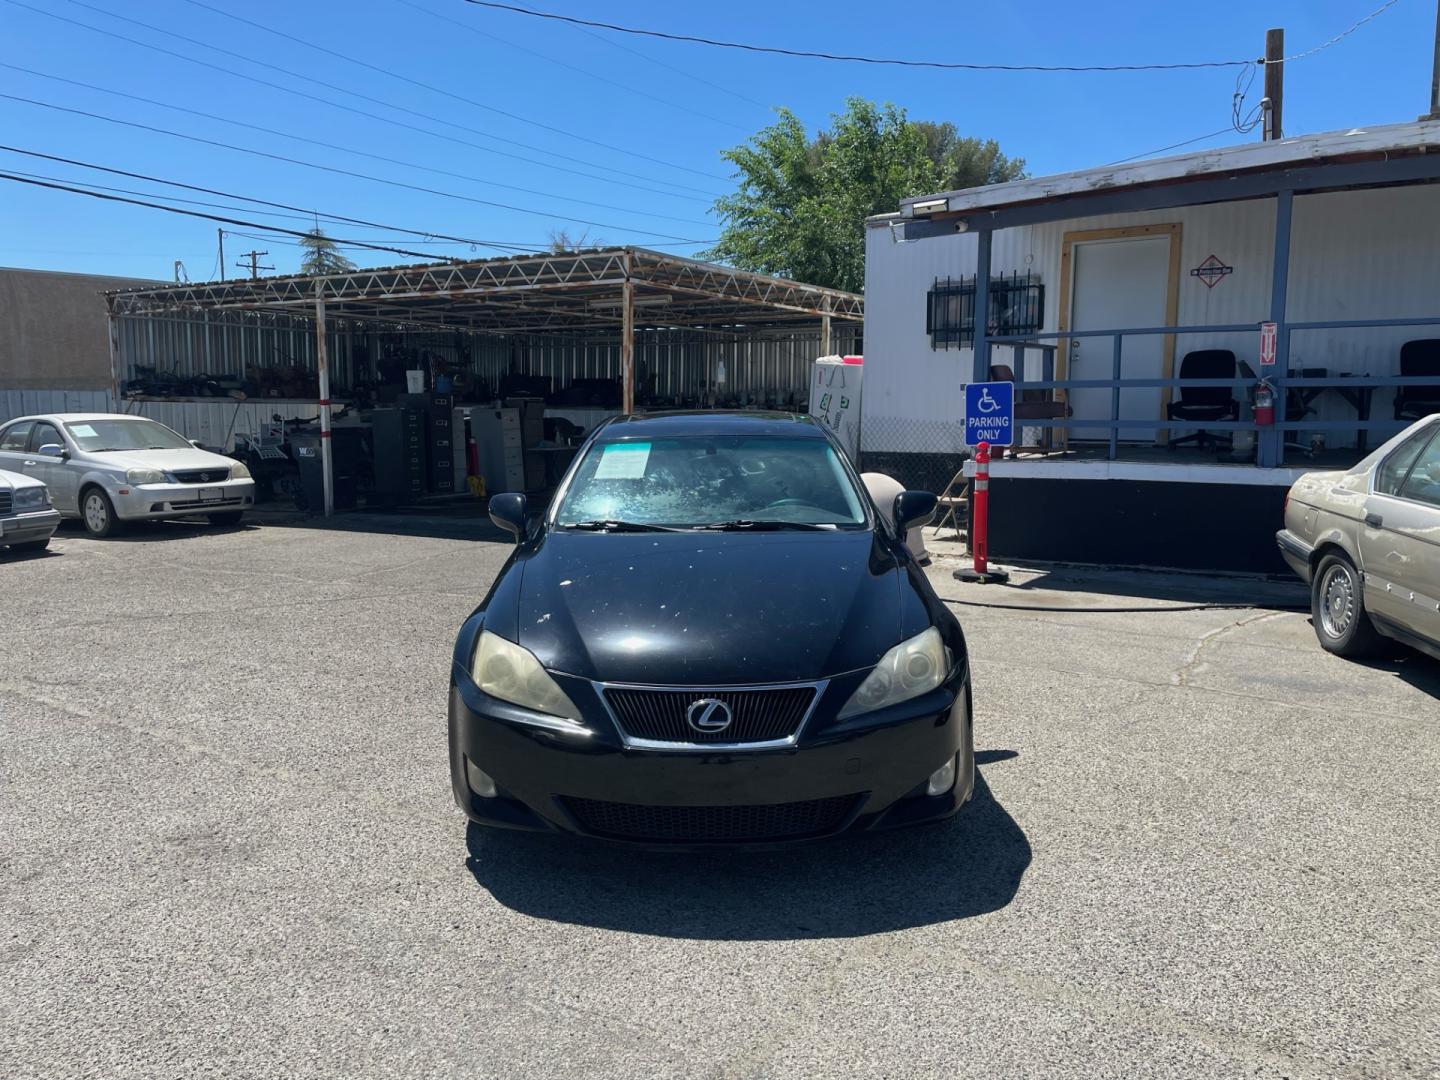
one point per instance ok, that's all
(980, 524)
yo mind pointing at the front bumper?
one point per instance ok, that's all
(29, 526)
(1295, 552)
(140, 501)
(866, 773)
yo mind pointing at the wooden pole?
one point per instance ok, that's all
(1274, 127)
(1434, 113)
(627, 342)
(220, 238)
(322, 364)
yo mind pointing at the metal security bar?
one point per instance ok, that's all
(1362, 386)
(1017, 306)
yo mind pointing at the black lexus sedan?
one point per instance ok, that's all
(711, 636)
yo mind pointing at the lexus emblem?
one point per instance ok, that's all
(709, 716)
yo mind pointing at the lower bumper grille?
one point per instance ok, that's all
(777, 821)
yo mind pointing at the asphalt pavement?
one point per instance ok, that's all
(1200, 846)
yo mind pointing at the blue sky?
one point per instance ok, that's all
(566, 126)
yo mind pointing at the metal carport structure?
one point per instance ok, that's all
(604, 295)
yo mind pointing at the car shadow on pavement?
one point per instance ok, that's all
(142, 532)
(968, 865)
(1171, 586)
(1409, 665)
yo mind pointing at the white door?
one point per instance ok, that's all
(1118, 284)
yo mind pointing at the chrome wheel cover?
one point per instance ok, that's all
(1337, 600)
(97, 514)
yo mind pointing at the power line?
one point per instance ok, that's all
(946, 65)
(209, 217)
(367, 97)
(671, 67)
(509, 249)
(669, 103)
(1342, 35)
(337, 170)
(447, 93)
(343, 149)
(804, 53)
(1172, 146)
(304, 213)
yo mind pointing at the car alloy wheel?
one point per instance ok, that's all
(1337, 599)
(97, 513)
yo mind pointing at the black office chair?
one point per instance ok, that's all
(1200, 403)
(1420, 360)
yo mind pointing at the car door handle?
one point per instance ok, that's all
(1374, 520)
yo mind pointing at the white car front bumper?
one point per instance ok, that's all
(140, 501)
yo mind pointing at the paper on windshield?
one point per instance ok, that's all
(83, 431)
(623, 461)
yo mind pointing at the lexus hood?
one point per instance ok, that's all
(707, 609)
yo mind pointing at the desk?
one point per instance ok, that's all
(1358, 397)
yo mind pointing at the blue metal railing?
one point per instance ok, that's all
(1361, 385)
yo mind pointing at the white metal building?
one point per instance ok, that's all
(1334, 237)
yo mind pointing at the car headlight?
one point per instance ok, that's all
(239, 471)
(912, 668)
(31, 498)
(144, 476)
(511, 673)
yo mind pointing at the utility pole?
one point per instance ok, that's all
(1434, 113)
(255, 267)
(1274, 84)
(220, 239)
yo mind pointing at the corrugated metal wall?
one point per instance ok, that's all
(760, 366)
(212, 422)
(1354, 255)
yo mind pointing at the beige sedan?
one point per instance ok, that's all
(1367, 540)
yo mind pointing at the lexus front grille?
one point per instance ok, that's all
(655, 717)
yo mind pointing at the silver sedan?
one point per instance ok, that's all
(27, 519)
(1367, 540)
(106, 468)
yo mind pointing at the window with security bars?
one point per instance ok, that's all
(1017, 306)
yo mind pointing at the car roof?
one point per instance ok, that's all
(73, 417)
(709, 422)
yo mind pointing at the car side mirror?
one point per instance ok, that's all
(197, 444)
(53, 449)
(507, 510)
(913, 508)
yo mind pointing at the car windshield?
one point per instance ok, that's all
(137, 434)
(718, 481)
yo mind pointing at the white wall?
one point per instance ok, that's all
(1354, 255)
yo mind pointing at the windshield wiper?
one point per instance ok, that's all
(613, 525)
(748, 525)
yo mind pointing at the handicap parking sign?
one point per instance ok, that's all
(990, 413)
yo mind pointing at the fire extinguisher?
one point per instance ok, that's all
(1264, 404)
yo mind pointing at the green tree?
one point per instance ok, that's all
(321, 255)
(801, 203)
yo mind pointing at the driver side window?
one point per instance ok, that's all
(44, 435)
